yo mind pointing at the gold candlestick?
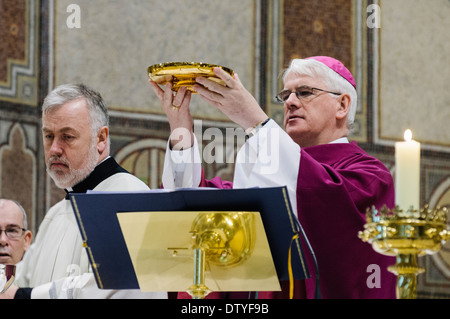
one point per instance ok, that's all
(406, 235)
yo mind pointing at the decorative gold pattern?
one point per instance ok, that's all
(183, 73)
(406, 235)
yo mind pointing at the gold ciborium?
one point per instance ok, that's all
(406, 235)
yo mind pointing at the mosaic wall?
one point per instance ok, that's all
(19, 34)
(19, 27)
(318, 27)
(109, 46)
(118, 40)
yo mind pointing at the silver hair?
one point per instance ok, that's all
(331, 79)
(70, 92)
(24, 213)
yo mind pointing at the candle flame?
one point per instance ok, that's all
(408, 135)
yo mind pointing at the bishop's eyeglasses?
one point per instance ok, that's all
(302, 93)
(13, 232)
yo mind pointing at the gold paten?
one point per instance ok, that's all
(184, 73)
(406, 235)
(199, 252)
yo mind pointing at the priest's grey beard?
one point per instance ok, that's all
(63, 180)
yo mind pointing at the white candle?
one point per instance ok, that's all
(407, 172)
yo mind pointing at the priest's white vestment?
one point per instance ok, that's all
(57, 265)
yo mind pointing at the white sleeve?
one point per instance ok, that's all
(182, 168)
(84, 286)
(269, 159)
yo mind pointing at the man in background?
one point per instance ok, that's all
(15, 238)
(75, 128)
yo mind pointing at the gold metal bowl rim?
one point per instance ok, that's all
(202, 67)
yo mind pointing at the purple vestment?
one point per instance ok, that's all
(335, 186)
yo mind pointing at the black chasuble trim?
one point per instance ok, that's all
(104, 170)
